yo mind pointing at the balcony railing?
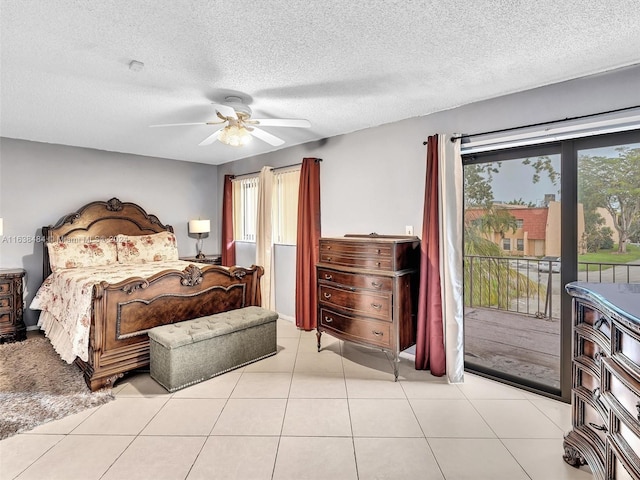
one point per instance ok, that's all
(531, 286)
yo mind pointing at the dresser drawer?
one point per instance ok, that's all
(371, 282)
(595, 319)
(626, 348)
(371, 263)
(585, 382)
(589, 352)
(591, 422)
(621, 467)
(627, 437)
(623, 389)
(353, 247)
(6, 302)
(358, 329)
(5, 287)
(359, 302)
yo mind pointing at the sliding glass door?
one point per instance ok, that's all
(536, 218)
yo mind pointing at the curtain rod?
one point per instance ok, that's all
(273, 168)
(550, 122)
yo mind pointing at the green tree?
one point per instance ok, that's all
(614, 184)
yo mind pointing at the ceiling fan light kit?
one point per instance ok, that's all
(240, 127)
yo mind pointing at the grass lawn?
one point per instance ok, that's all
(609, 256)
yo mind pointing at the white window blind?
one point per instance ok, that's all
(284, 206)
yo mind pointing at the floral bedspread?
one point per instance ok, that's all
(65, 300)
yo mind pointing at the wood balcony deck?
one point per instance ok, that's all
(521, 345)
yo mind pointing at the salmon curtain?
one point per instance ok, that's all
(228, 250)
(308, 243)
(430, 352)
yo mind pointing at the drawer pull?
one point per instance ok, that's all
(600, 322)
(378, 251)
(328, 319)
(377, 306)
(376, 284)
(638, 408)
(328, 277)
(596, 393)
(328, 259)
(327, 295)
(602, 428)
(377, 264)
(599, 356)
(377, 333)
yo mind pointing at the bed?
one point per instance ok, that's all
(120, 313)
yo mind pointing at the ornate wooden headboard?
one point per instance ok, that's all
(98, 220)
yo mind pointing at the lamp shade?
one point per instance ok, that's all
(199, 226)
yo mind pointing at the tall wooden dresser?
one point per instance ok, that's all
(12, 327)
(606, 380)
(367, 290)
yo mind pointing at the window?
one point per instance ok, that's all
(519, 222)
(284, 207)
(506, 244)
(520, 244)
(245, 207)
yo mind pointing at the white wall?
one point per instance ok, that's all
(40, 183)
(373, 180)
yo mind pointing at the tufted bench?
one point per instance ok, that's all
(189, 352)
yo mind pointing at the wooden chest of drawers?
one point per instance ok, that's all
(606, 380)
(12, 327)
(367, 291)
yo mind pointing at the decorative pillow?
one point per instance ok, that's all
(159, 247)
(76, 254)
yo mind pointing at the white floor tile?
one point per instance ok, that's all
(315, 458)
(156, 458)
(20, 451)
(450, 418)
(318, 385)
(78, 457)
(383, 418)
(64, 425)
(516, 419)
(263, 385)
(216, 387)
(236, 458)
(475, 459)
(374, 388)
(185, 416)
(318, 362)
(325, 417)
(542, 459)
(243, 416)
(476, 387)
(125, 416)
(395, 458)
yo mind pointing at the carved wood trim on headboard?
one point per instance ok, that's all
(98, 220)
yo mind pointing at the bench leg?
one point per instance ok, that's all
(318, 335)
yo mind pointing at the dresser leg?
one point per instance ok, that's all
(573, 457)
(318, 335)
(396, 363)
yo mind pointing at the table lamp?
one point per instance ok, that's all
(199, 227)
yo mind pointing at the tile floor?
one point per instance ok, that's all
(301, 414)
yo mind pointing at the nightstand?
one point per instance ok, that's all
(12, 327)
(210, 259)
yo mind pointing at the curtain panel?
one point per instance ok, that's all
(228, 249)
(264, 237)
(308, 244)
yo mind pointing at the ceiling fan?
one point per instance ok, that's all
(240, 127)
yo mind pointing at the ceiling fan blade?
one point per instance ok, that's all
(211, 138)
(225, 110)
(266, 137)
(282, 122)
(177, 124)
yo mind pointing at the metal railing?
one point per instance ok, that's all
(531, 286)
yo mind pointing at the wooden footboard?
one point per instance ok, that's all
(124, 312)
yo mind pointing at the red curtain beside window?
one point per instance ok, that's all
(228, 244)
(430, 353)
(308, 244)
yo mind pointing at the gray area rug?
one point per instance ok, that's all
(37, 386)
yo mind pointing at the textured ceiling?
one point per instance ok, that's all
(344, 66)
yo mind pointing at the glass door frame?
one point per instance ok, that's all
(568, 149)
